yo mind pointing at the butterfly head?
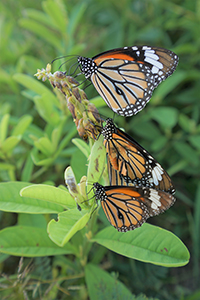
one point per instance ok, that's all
(87, 66)
(108, 129)
(99, 191)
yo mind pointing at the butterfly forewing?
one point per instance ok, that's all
(129, 163)
(129, 207)
(126, 77)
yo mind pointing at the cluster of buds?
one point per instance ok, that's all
(84, 113)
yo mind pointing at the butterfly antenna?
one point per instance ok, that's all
(66, 62)
(74, 70)
(64, 57)
(95, 208)
(82, 81)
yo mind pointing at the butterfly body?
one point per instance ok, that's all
(126, 77)
(130, 164)
(127, 208)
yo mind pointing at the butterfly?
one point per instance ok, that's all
(126, 77)
(130, 164)
(127, 208)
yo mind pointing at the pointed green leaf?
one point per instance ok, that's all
(10, 143)
(39, 16)
(10, 200)
(4, 127)
(49, 193)
(32, 84)
(30, 241)
(147, 243)
(27, 169)
(42, 31)
(69, 222)
(83, 146)
(45, 146)
(41, 162)
(57, 14)
(22, 125)
(76, 14)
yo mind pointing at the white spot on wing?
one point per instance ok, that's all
(155, 198)
(157, 174)
(146, 48)
(151, 55)
(153, 62)
(154, 70)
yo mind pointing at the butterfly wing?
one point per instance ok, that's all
(129, 163)
(126, 77)
(127, 208)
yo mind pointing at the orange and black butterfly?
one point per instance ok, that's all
(127, 208)
(130, 164)
(126, 77)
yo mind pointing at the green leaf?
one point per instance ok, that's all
(10, 143)
(102, 285)
(32, 84)
(49, 193)
(76, 14)
(187, 124)
(22, 125)
(97, 162)
(27, 169)
(83, 146)
(32, 220)
(45, 146)
(147, 243)
(168, 85)
(11, 200)
(57, 14)
(195, 141)
(78, 163)
(38, 161)
(4, 127)
(42, 31)
(29, 241)
(69, 222)
(39, 16)
(165, 116)
(187, 152)
(146, 129)
(5, 166)
(46, 108)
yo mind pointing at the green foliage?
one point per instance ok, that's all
(148, 244)
(38, 140)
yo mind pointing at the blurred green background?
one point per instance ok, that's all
(32, 34)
